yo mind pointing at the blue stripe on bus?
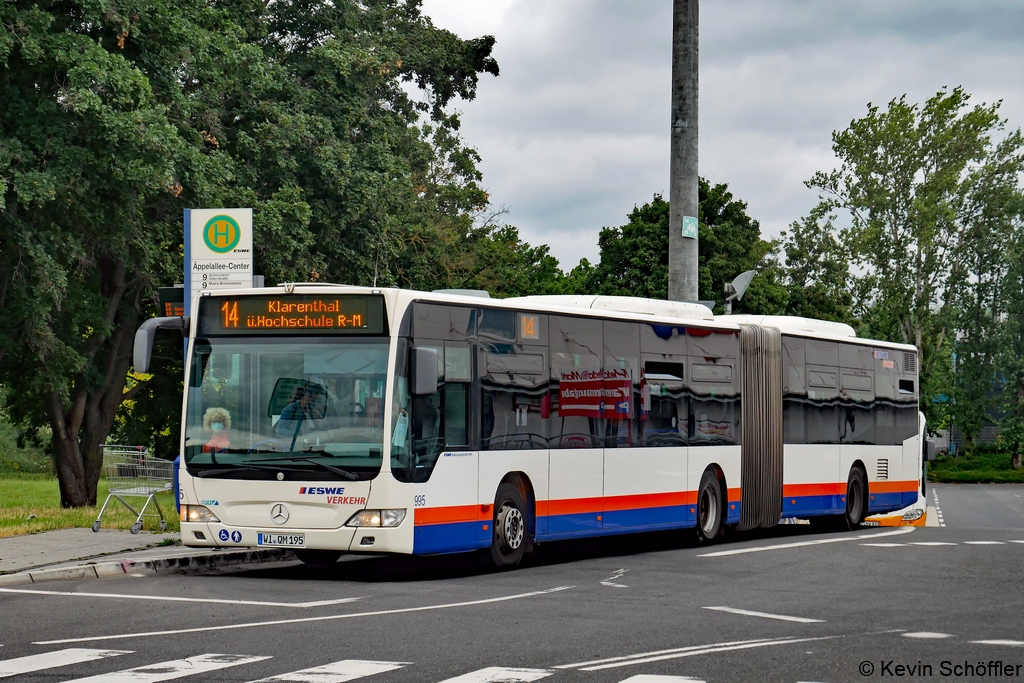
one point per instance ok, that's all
(463, 536)
(453, 537)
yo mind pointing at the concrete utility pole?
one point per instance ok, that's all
(682, 224)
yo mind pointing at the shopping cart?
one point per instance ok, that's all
(133, 473)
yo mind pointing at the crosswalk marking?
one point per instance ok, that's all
(499, 674)
(165, 671)
(336, 672)
(50, 660)
(984, 543)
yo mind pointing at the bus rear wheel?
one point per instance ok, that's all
(508, 541)
(856, 500)
(709, 508)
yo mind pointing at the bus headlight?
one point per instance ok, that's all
(913, 515)
(386, 518)
(197, 513)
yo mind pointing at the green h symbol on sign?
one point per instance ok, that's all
(221, 233)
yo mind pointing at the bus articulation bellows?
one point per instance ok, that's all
(332, 419)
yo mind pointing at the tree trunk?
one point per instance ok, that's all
(81, 425)
(1015, 462)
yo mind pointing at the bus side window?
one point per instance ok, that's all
(713, 384)
(621, 383)
(458, 373)
(666, 410)
(513, 389)
(576, 349)
(794, 391)
(823, 405)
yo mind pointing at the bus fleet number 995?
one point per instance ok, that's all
(419, 501)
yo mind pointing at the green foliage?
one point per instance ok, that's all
(634, 257)
(984, 465)
(930, 198)
(1010, 354)
(817, 270)
(117, 116)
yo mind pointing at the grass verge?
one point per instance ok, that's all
(978, 468)
(31, 503)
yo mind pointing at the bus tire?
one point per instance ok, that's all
(318, 558)
(856, 500)
(709, 508)
(508, 539)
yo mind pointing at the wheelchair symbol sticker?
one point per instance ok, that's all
(223, 534)
(236, 536)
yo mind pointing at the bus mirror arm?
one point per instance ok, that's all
(929, 450)
(143, 350)
(424, 371)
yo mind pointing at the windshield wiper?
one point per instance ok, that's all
(305, 458)
(244, 468)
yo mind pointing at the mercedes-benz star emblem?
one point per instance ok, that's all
(279, 513)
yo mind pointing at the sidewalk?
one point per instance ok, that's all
(82, 554)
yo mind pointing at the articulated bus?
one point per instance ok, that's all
(337, 419)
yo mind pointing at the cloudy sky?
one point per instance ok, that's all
(574, 132)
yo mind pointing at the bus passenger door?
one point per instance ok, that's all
(575, 427)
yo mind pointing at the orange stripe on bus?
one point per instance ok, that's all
(649, 500)
(575, 506)
(892, 486)
(453, 513)
(734, 495)
(797, 490)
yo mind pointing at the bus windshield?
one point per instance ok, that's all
(309, 409)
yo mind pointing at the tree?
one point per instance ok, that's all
(634, 257)
(817, 270)
(1011, 353)
(911, 181)
(118, 116)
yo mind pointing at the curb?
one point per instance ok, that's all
(102, 570)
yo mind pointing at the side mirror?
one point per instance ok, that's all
(143, 350)
(929, 450)
(424, 371)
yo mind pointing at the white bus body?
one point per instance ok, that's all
(604, 415)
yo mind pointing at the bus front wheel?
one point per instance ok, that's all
(508, 541)
(709, 508)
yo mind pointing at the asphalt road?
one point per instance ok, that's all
(789, 605)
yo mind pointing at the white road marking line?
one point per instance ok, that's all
(499, 674)
(165, 671)
(801, 544)
(655, 678)
(931, 543)
(938, 510)
(766, 615)
(335, 672)
(658, 652)
(329, 617)
(927, 634)
(50, 660)
(317, 603)
(885, 545)
(610, 581)
(704, 652)
(1012, 643)
(984, 543)
(1016, 541)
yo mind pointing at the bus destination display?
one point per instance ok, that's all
(292, 314)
